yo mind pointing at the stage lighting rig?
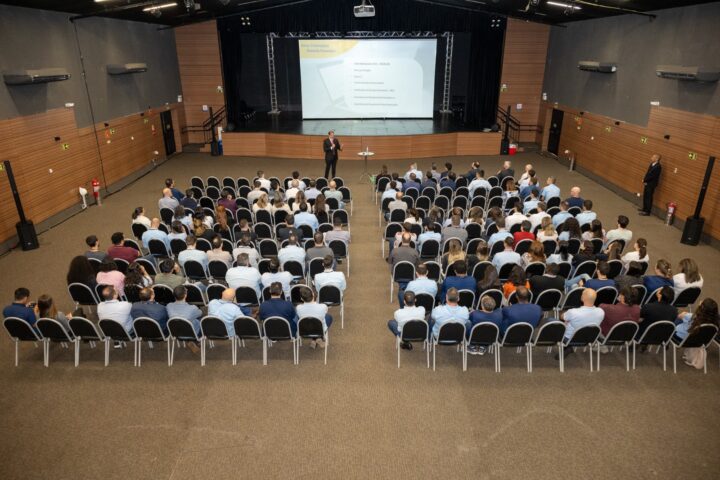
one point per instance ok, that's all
(365, 10)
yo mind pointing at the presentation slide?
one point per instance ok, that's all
(367, 78)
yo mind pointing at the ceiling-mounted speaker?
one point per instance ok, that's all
(601, 67)
(696, 74)
(125, 68)
(35, 76)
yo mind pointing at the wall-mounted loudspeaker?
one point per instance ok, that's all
(696, 74)
(601, 67)
(31, 77)
(125, 68)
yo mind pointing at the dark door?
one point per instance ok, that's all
(168, 132)
(555, 130)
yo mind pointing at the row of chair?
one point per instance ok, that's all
(230, 182)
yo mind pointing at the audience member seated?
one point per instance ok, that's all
(575, 200)
(337, 233)
(94, 244)
(584, 280)
(154, 233)
(621, 232)
(181, 216)
(292, 252)
(550, 190)
(110, 275)
(428, 182)
(490, 280)
(177, 232)
(505, 171)
(256, 192)
(81, 271)
(570, 230)
(45, 308)
(245, 247)
(170, 274)
(515, 280)
(421, 284)
(639, 253)
(522, 311)
(511, 190)
(412, 182)
(586, 315)
(217, 252)
(192, 253)
(137, 277)
(225, 222)
(319, 249)
(177, 194)
(413, 170)
(243, 275)
(111, 308)
(396, 204)
(274, 275)
(631, 276)
(688, 323)
(450, 312)
(547, 230)
(527, 186)
(472, 173)
(501, 234)
(535, 254)
(459, 281)
(507, 256)
(407, 311)
(516, 217)
(311, 193)
(228, 202)
(118, 250)
(532, 202)
(562, 255)
(277, 307)
(167, 200)
(264, 182)
(404, 253)
(448, 169)
(560, 217)
(449, 180)
(663, 276)
(226, 310)
(688, 276)
(587, 215)
(626, 309)
(138, 216)
(390, 191)
(549, 280)
(333, 192)
(303, 217)
(596, 231)
(280, 205)
(188, 200)
(487, 313)
(330, 277)
(455, 254)
(662, 309)
(311, 308)
(148, 307)
(524, 233)
(200, 228)
(536, 219)
(586, 253)
(285, 232)
(21, 307)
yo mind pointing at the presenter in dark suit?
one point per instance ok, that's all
(331, 146)
(650, 182)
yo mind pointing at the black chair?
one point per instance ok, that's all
(451, 333)
(213, 329)
(700, 338)
(132, 293)
(180, 330)
(177, 245)
(114, 331)
(163, 294)
(413, 331)
(426, 301)
(535, 268)
(574, 246)
(479, 270)
(687, 297)
(505, 270)
(148, 330)
(517, 335)
(616, 267)
(247, 328)
(549, 300)
(263, 230)
(295, 268)
(430, 249)
(484, 334)
(341, 252)
(263, 216)
(583, 337)
(564, 269)
(621, 334)
(523, 246)
(195, 270)
(197, 182)
(82, 295)
(138, 229)
(84, 331)
(217, 269)
(277, 329)
(587, 267)
(495, 294)
(597, 245)
(203, 244)
(268, 248)
(550, 247)
(332, 296)
(434, 270)
(549, 335)
(466, 298)
(247, 296)
(573, 298)
(607, 295)
(314, 329)
(122, 265)
(148, 265)
(20, 331)
(402, 272)
(166, 215)
(214, 291)
(496, 248)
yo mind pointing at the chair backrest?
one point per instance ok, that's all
(518, 334)
(550, 333)
(606, 295)
(246, 296)
(330, 295)
(573, 299)
(277, 328)
(163, 294)
(467, 298)
(621, 333)
(523, 246)
(148, 329)
(158, 248)
(20, 330)
(122, 265)
(687, 296)
(700, 337)
(550, 246)
(83, 328)
(247, 327)
(114, 330)
(181, 329)
(430, 249)
(484, 334)
(565, 269)
(426, 301)
(535, 268)
(82, 294)
(434, 270)
(451, 333)
(415, 330)
(213, 328)
(296, 293)
(479, 270)
(657, 333)
(403, 271)
(505, 270)
(296, 268)
(549, 299)
(218, 269)
(310, 327)
(496, 248)
(214, 291)
(496, 295)
(138, 229)
(177, 245)
(616, 267)
(132, 293)
(585, 336)
(339, 248)
(588, 267)
(268, 248)
(194, 270)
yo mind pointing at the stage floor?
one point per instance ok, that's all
(292, 123)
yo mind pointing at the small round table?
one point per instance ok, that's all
(365, 173)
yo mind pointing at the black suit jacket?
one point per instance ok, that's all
(540, 283)
(505, 173)
(331, 153)
(285, 232)
(652, 176)
(654, 312)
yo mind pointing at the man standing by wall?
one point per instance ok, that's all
(650, 182)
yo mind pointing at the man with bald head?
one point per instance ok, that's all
(575, 200)
(586, 315)
(167, 200)
(333, 192)
(226, 310)
(506, 171)
(154, 233)
(397, 204)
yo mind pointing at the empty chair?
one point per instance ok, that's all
(548, 335)
(195, 270)
(177, 245)
(451, 333)
(82, 295)
(113, 331)
(148, 330)
(517, 335)
(20, 331)
(163, 294)
(246, 328)
(564, 269)
(700, 338)
(549, 300)
(485, 335)
(181, 330)
(621, 334)
(550, 246)
(213, 329)
(278, 329)
(246, 296)
(403, 272)
(616, 267)
(429, 249)
(341, 252)
(84, 331)
(583, 337)
(687, 297)
(268, 248)
(413, 331)
(314, 329)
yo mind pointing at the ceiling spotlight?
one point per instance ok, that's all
(224, 2)
(154, 8)
(157, 13)
(564, 5)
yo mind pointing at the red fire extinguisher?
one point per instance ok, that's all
(96, 190)
(670, 213)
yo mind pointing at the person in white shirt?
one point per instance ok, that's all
(501, 234)
(405, 314)
(479, 182)
(413, 169)
(620, 233)
(291, 252)
(293, 190)
(638, 254)
(525, 177)
(192, 253)
(138, 216)
(245, 247)
(311, 308)
(537, 218)
(255, 193)
(688, 276)
(301, 183)
(329, 276)
(389, 192)
(515, 218)
(275, 275)
(243, 275)
(507, 256)
(264, 182)
(547, 230)
(577, 318)
(113, 309)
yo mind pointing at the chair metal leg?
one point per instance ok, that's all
(427, 353)
(634, 346)
(392, 284)
(664, 357)
(203, 343)
(169, 341)
(342, 314)
(591, 357)
(434, 349)
(46, 352)
(326, 349)
(265, 340)
(704, 360)
(138, 350)
(627, 357)
(397, 347)
(530, 359)
(107, 351)
(598, 357)
(499, 367)
(17, 344)
(674, 358)
(172, 351)
(464, 357)
(233, 344)
(561, 355)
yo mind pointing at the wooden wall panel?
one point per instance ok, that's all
(523, 70)
(244, 144)
(478, 143)
(424, 146)
(198, 53)
(620, 157)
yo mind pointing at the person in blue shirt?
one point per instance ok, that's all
(428, 182)
(170, 183)
(277, 307)
(421, 284)
(428, 234)
(560, 217)
(487, 314)
(526, 190)
(450, 312)
(189, 201)
(523, 311)
(303, 217)
(20, 308)
(550, 191)
(663, 277)
(449, 181)
(154, 233)
(226, 310)
(412, 182)
(587, 215)
(180, 308)
(501, 234)
(575, 200)
(532, 202)
(601, 280)
(148, 307)
(459, 281)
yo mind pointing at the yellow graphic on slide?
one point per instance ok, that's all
(325, 48)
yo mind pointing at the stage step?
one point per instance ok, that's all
(528, 147)
(196, 148)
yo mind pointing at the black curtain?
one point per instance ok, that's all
(244, 56)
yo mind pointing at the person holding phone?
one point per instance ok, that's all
(21, 307)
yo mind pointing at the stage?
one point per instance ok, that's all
(287, 135)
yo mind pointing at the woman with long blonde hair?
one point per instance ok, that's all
(261, 204)
(455, 253)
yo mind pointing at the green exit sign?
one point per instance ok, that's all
(643, 140)
(692, 155)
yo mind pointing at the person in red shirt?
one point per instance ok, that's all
(524, 233)
(118, 250)
(625, 309)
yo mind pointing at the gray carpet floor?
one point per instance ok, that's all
(359, 416)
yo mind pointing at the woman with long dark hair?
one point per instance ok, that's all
(81, 271)
(516, 279)
(639, 253)
(490, 280)
(45, 308)
(138, 216)
(688, 323)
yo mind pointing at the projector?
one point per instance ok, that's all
(365, 10)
